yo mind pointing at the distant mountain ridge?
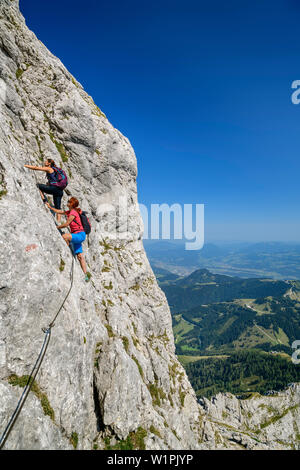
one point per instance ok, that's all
(278, 260)
(202, 286)
(203, 275)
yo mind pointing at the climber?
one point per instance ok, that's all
(77, 235)
(57, 181)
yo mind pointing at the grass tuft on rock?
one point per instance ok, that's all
(61, 149)
(21, 381)
(19, 73)
(74, 439)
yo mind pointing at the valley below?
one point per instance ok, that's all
(234, 334)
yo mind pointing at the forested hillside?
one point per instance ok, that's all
(234, 334)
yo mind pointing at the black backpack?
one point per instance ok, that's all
(85, 222)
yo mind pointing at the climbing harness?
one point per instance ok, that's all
(38, 362)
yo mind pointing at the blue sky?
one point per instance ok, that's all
(202, 89)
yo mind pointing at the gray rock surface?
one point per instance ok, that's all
(260, 421)
(110, 372)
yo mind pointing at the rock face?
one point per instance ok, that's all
(271, 421)
(110, 376)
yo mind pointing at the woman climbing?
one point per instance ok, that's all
(57, 181)
(77, 235)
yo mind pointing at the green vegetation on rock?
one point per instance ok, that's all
(61, 149)
(134, 441)
(3, 192)
(19, 73)
(139, 366)
(22, 381)
(74, 439)
(125, 343)
(109, 330)
(155, 431)
(157, 393)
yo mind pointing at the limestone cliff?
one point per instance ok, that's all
(110, 376)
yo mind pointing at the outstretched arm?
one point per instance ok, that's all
(58, 211)
(66, 224)
(38, 168)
